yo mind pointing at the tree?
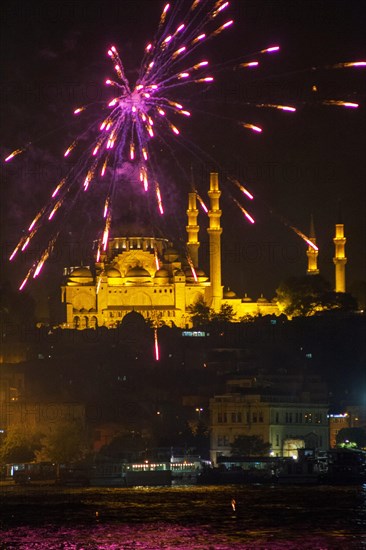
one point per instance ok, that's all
(200, 312)
(351, 437)
(15, 307)
(310, 294)
(249, 445)
(67, 443)
(126, 446)
(225, 315)
(19, 445)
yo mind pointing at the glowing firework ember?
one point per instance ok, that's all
(193, 270)
(245, 212)
(338, 103)
(252, 127)
(304, 237)
(242, 188)
(156, 345)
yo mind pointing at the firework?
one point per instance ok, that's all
(245, 212)
(156, 345)
(241, 187)
(193, 270)
(137, 118)
(137, 113)
(304, 237)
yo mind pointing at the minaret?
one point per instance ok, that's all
(340, 259)
(214, 231)
(192, 228)
(311, 253)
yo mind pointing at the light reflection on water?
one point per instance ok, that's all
(185, 518)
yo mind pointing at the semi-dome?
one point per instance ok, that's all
(162, 273)
(138, 274)
(201, 275)
(81, 272)
(80, 276)
(113, 272)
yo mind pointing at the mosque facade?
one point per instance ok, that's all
(148, 275)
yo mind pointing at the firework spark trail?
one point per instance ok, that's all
(156, 345)
(295, 229)
(135, 115)
(138, 112)
(241, 187)
(303, 236)
(245, 212)
(193, 270)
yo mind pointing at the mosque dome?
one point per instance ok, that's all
(161, 276)
(80, 276)
(138, 274)
(179, 273)
(262, 300)
(201, 275)
(246, 298)
(229, 293)
(189, 275)
(162, 273)
(81, 272)
(113, 272)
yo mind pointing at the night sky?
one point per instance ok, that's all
(309, 162)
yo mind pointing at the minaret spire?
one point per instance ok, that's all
(214, 231)
(311, 253)
(340, 259)
(192, 228)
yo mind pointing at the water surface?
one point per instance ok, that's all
(185, 518)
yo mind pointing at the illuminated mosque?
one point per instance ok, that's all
(147, 275)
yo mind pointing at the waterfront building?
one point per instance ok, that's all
(287, 411)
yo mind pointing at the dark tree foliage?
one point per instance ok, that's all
(15, 307)
(352, 435)
(200, 312)
(249, 445)
(225, 315)
(311, 294)
(19, 445)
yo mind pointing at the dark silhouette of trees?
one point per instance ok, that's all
(19, 445)
(311, 294)
(351, 437)
(201, 314)
(249, 445)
